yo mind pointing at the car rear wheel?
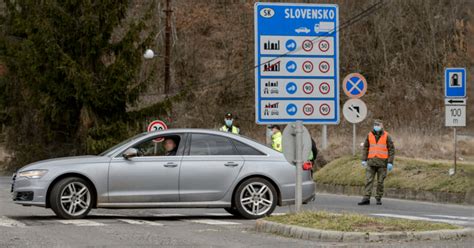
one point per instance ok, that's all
(71, 198)
(255, 198)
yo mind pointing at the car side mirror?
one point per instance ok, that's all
(130, 153)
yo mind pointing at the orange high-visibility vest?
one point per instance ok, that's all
(378, 149)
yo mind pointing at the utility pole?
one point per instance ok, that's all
(167, 47)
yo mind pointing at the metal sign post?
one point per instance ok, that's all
(299, 165)
(455, 103)
(455, 149)
(353, 139)
(296, 143)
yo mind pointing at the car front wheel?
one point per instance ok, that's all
(71, 198)
(255, 198)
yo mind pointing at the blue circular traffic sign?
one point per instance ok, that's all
(291, 88)
(290, 45)
(354, 85)
(291, 109)
(291, 66)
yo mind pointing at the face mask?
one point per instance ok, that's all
(228, 122)
(377, 128)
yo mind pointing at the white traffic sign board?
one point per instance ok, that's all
(354, 110)
(289, 143)
(157, 125)
(298, 63)
(455, 112)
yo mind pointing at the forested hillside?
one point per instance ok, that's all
(91, 92)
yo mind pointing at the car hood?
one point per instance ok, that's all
(45, 164)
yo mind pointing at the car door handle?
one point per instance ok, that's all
(231, 164)
(170, 164)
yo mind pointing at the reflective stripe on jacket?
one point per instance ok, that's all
(276, 142)
(378, 149)
(235, 129)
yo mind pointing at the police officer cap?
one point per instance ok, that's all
(378, 122)
(274, 126)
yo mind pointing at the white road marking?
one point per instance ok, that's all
(106, 214)
(81, 222)
(169, 215)
(452, 217)
(7, 222)
(140, 222)
(410, 217)
(218, 214)
(278, 214)
(213, 222)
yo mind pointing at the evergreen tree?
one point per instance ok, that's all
(69, 78)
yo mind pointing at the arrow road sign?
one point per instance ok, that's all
(455, 101)
(354, 110)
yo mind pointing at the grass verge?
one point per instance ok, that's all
(356, 222)
(408, 173)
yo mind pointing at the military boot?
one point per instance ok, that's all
(364, 201)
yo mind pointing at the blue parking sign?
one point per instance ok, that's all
(455, 82)
(297, 63)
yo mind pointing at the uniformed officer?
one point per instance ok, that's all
(378, 156)
(276, 137)
(229, 125)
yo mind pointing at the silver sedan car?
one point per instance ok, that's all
(176, 168)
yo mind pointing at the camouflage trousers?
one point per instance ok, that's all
(370, 172)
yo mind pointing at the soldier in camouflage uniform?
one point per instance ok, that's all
(378, 156)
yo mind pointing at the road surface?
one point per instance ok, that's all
(38, 227)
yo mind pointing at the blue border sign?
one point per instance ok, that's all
(297, 63)
(455, 82)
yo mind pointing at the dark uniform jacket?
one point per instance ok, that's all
(378, 162)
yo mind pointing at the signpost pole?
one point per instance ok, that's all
(353, 139)
(455, 149)
(299, 165)
(324, 143)
(268, 136)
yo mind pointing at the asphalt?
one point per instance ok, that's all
(38, 227)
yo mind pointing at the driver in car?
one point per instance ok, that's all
(170, 147)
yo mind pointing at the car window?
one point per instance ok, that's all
(159, 146)
(244, 149)
(204, 144)
(106, 152)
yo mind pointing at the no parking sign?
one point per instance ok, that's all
(156, 125)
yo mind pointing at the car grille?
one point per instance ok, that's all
(13, 182)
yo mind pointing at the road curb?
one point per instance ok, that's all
(337, 236)
(406, 194)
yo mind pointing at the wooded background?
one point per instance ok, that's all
(74, 81)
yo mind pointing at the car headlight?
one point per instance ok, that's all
(33, 174)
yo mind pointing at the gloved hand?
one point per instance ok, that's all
(364, 163)
(389, 166)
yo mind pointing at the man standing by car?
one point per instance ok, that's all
(378, 156)
(229, 125)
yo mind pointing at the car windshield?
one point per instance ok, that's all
(106, 152)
